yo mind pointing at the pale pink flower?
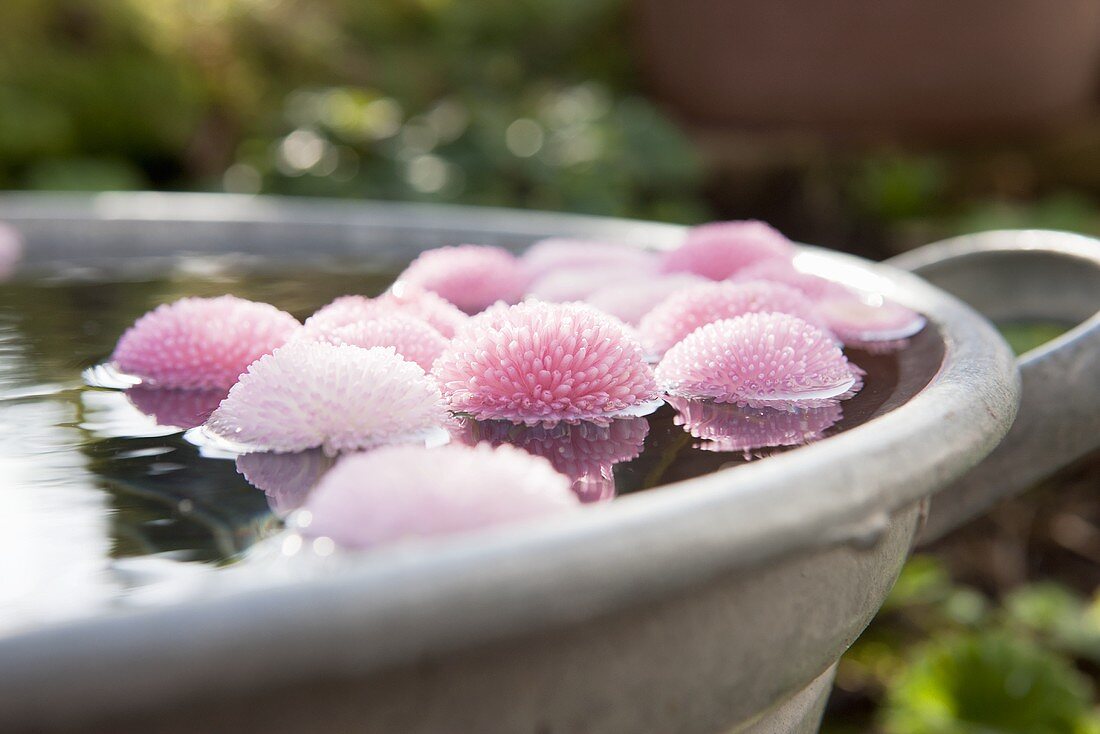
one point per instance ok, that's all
(686, 310)
(411, 338)
(429, 307)
(720, 249)
(404, 493)
(557, 253)
(472, 277)
(203, 343)
(632, 299)
(781, 270)
(759, 359)
(870, 323)
(540, 363)
(340, 398)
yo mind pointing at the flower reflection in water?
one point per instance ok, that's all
(185, 409)
(729, 427)
(286, 479)
(585, 452)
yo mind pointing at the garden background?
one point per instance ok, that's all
(544, 104)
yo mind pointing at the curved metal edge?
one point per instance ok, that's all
(455, 594)
(1059, 417)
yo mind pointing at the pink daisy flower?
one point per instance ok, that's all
(472, 277)
(686, 310)
(541, 363)
(339, 398)
(170, 407)
(201, 343)
(553, 254)
(759, 359)
(585, 452)
(403, 493)
(720, 249)
(346, 311)
(286, 479)
(411, 338)
(577, 284)
(874, 324)
(436, 312)
(779, 270)
(727, 427)
(631, 300)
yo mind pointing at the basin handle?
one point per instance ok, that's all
(1025, 275)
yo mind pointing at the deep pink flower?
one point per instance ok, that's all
(404, 493)
(720, 249)
(876, 324)
(585, 452)
(759, 359)
(686, 310)
(728, 427)
(201, 343)
(540, 363)
(341, 398)
(411, 338)
(171, 407)
(472, 277)
(286, 479)
(554, 254)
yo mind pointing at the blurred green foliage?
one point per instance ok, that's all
(524, 103)
(942, 659)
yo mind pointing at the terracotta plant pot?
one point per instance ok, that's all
(908, 66)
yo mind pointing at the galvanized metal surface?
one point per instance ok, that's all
(1020, 276)
(696, 607)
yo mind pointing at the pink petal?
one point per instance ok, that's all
(472, 277)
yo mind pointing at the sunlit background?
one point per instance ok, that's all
(610, 107)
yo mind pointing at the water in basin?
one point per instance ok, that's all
(105, 509)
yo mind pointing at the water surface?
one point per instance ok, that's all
(104, 508)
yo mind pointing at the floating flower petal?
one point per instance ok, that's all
(472, 277)
(403, 493)
(540, 363)
(585, 452)
(170, 407)
(759, 359)
(633, 299)
(201, 343)
(720, 249)
(877, 325)
(340, 398)
(727, 427)
(550, 255)
(411, 338)
(685, 311)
